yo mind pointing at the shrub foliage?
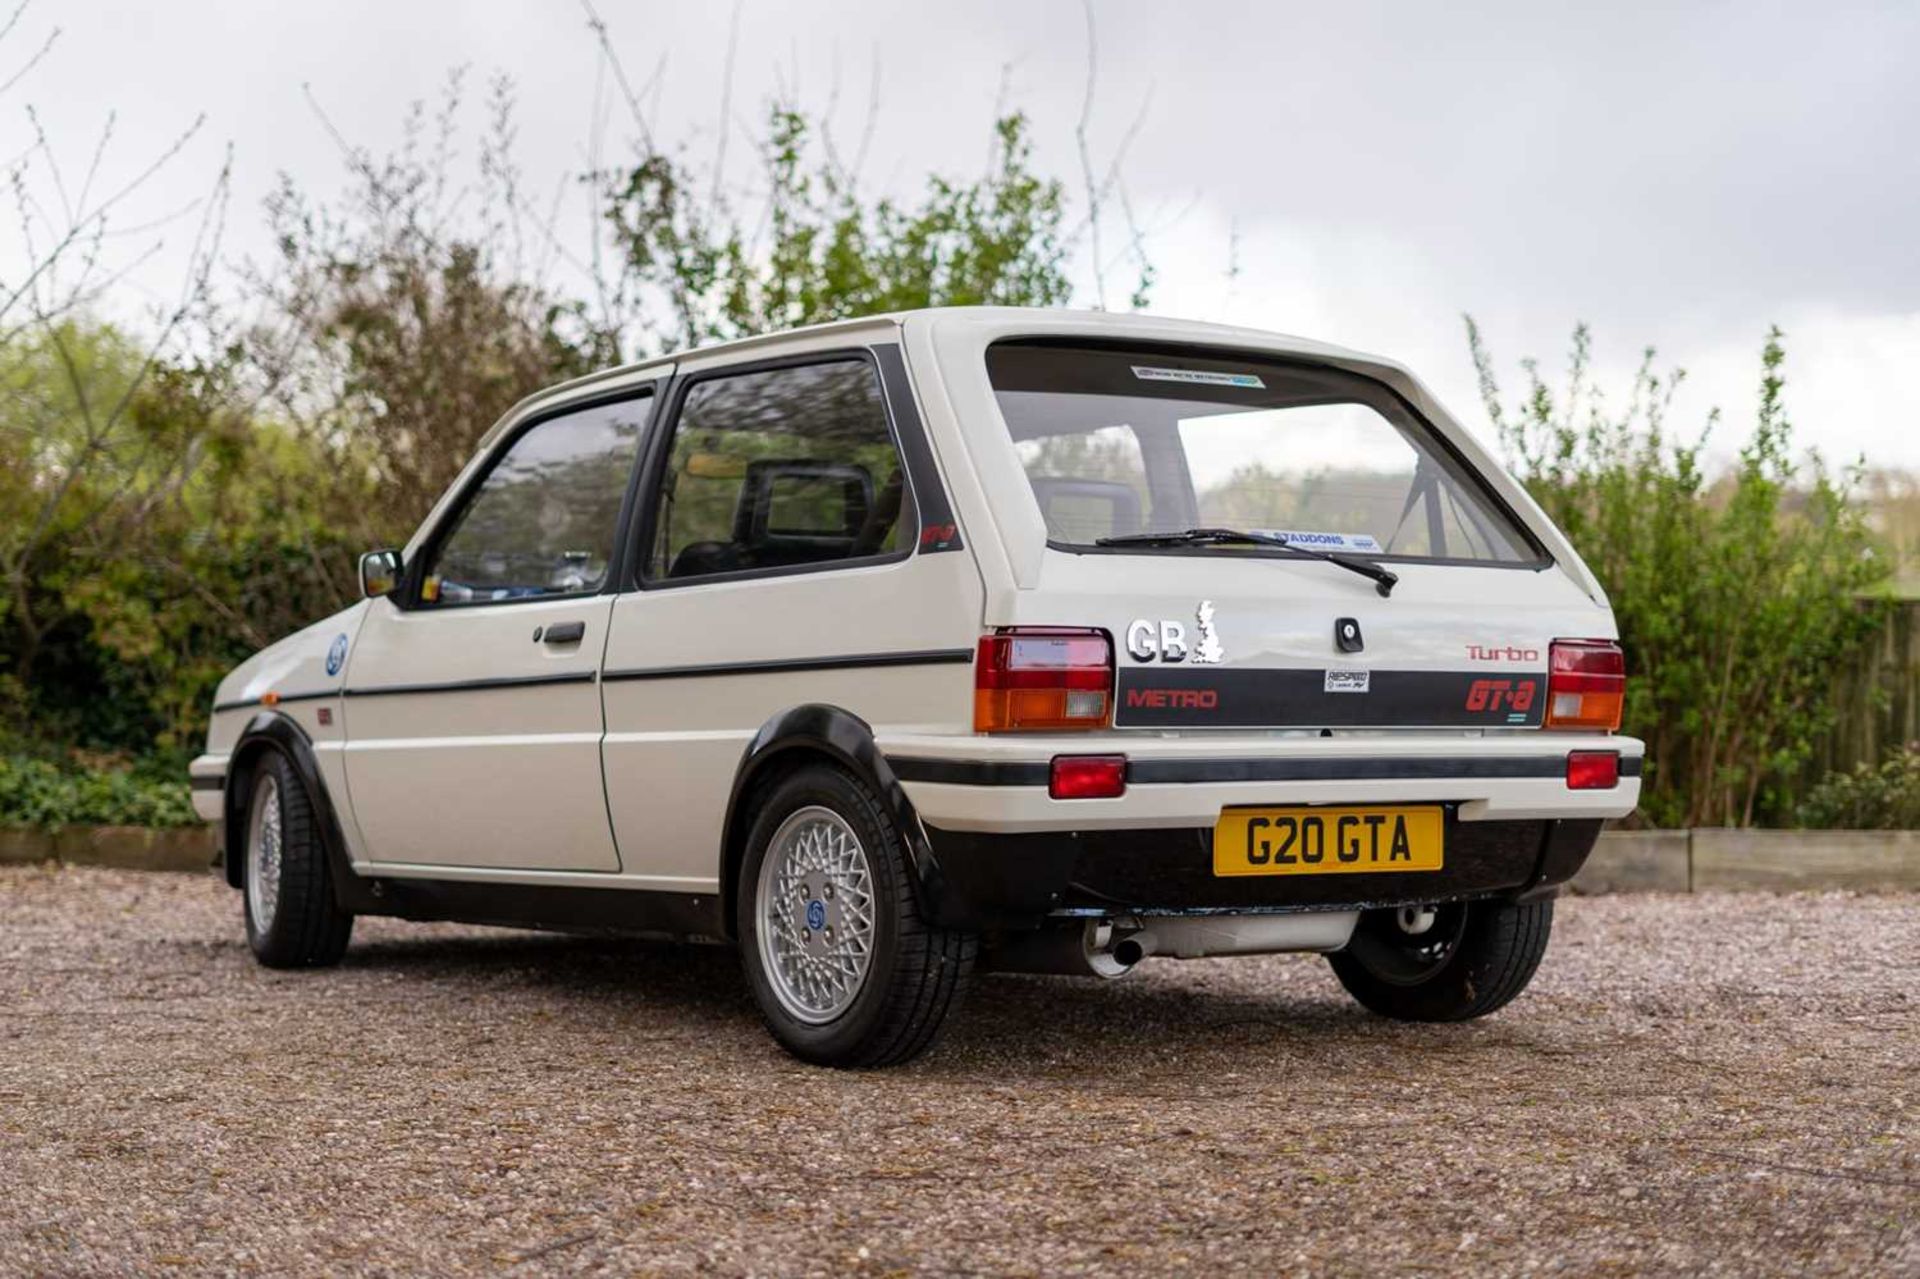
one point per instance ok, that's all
(1737, 598)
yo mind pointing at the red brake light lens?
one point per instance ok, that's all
(1593, 770)
(1088, 777)
(1042, 678)
(1586, 685)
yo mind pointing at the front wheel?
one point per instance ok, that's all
(1444, 963)
(843, 966)
(292, 920)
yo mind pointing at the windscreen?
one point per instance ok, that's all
(1120, 443)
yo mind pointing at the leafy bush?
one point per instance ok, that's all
(1737, 599)
(1868, 798)
(41, 792)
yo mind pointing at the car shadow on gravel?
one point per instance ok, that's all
(1163, 1008)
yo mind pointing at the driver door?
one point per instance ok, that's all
(473, 718)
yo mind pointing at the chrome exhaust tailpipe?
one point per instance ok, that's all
(1078, 949)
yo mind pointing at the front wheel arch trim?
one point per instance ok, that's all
(821, 732)
(279, 733)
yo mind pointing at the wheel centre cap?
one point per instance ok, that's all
(816, 914)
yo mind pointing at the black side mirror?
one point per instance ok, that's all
(379, 573)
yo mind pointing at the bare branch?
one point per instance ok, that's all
(46, 46)
(598, 26)
(726, 108)
(1086, 160)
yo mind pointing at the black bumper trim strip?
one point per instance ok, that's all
(1146, 772)
(778, 666)
(209, 781)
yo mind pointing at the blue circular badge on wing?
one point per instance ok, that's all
(816, 914)
(337, 655)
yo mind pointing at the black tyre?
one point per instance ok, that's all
(843, 966)
(1444, 963)
(292, 921)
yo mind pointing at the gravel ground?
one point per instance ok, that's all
(1712, 1084)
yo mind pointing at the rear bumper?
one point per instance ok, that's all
(1007, 855)
(1016, 881)
(999, 784)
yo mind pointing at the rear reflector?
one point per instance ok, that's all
(1586, 685)
(1042, 679)
(1593, 770)
(1088, 777)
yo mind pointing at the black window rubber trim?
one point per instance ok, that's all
(776, 666)
(1145, 772)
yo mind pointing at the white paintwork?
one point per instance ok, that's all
(505, 777)
(624, 783)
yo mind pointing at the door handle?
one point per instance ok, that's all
(565, 633)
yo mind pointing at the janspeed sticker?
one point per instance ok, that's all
(1349, 681)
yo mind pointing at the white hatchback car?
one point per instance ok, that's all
(902, 646)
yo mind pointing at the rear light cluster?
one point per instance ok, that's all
(1042, 678)
(1586, 685)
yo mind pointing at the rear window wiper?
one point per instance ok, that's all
(1384, 580)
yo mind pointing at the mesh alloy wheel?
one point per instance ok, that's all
(292, 918)
(264, 848)
(817, 915)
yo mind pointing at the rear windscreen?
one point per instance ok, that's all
(1121, 443)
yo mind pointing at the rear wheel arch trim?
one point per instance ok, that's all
(831, 733)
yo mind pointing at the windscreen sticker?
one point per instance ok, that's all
(1324, 541)
(1199, 377)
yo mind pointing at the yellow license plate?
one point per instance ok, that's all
(1327, 841)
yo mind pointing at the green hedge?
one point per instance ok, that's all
(40, 792)
(1868, 798)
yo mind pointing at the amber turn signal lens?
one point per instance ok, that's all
(1586, 685)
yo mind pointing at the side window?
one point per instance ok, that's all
(776, 469)
(542, 523)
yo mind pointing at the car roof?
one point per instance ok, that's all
(1051, 319)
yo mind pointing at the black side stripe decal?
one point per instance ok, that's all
(281, 700)
(473, 685)
(924, 657)
(968, 772)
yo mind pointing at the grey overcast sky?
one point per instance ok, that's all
(1679, 175)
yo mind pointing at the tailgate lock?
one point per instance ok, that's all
(1346, 635)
